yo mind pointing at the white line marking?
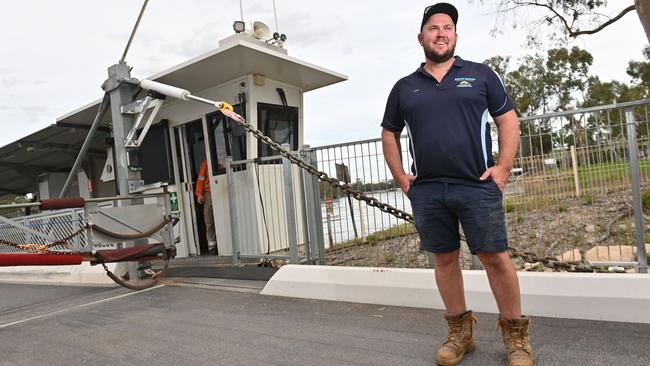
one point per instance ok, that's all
(79, 306)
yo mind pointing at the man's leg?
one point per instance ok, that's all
(505, 287)
(504, 283)
(449, 279)
(208, 218)
(481, 213)
(438, 230)
(460, 338)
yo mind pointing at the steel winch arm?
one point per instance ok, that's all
(182, 94)
(155, 99)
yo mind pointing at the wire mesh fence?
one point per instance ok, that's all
(362, 165)
(44, 228)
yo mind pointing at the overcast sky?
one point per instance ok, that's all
(55, 53)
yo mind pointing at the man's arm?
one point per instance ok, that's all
(200, 181)
(508, 126)
(393, 154)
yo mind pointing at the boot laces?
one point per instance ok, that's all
(519, 337)
(455, 335)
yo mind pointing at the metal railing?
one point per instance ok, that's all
(41, 228)
(49, 227)
(272, 211)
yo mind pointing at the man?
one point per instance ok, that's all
(203, 197)
(444, 106)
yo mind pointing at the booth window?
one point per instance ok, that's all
(155, 156)
(226, 138)
(278, 122)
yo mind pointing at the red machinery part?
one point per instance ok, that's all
(35, 259)
(61, 203)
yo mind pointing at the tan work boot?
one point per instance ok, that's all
(459, 340)
(515, 337)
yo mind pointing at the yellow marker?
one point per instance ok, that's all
(225, 106)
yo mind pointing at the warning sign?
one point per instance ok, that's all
(329, 205)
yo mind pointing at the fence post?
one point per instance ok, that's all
(636, 190)
(432, 260)
(232, 209)
(316, 236)
(290, 208)
(362, 219)
(574, 162)
(318, 216)
(476, 264)
(308, 208)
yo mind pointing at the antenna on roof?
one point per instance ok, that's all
(241, 9)
(275, 12)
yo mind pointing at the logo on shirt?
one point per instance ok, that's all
(463, 82)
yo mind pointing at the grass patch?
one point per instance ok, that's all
(374, 238)
(610, 171)
(392, 232)
(645, 199)
(533, 202)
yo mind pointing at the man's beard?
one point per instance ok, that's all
(433, 56)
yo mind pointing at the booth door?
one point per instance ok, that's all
(190, 151)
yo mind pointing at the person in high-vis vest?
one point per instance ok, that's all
(202, 193)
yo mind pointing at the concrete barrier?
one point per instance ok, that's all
(83, 274)
(593, 296)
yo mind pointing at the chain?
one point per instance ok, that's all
(45, 248)
(360, 196)
(528, 257)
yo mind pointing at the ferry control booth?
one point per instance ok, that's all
(262, 82)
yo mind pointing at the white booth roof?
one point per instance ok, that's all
(237, 56)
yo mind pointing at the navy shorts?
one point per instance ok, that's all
(439, 207)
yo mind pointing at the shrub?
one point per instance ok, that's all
(645, 199)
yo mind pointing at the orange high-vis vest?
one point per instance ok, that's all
(202, 183)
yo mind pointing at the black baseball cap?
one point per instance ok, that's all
(444, 8)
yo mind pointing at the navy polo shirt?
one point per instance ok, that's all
(447, 122)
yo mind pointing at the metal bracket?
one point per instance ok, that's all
(140, 107)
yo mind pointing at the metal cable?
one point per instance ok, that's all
(135, 28)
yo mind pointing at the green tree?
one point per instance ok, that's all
(601, 93)
(572, 17)
(640, 73)
(542, 84)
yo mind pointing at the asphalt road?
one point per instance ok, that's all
(216, 322)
